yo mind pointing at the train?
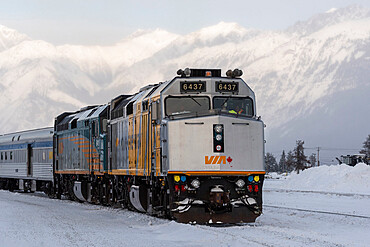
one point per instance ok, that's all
(189, 149)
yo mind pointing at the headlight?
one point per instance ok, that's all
(218, 137)
(218, 128)
(240, 183)
(195, 183)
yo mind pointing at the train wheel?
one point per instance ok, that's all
(118, 188)
(96, 190)
(49, 190)
(2, 184)
(11, 185)
(58, 188)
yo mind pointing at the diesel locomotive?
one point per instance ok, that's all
(189, 149)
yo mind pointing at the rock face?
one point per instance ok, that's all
(311, 80)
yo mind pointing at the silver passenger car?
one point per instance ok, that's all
(26, 160)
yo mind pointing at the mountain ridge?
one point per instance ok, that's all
(295, 72)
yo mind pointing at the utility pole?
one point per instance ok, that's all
(318, 156)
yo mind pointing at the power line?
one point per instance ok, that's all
(334, 149)
(321, 148)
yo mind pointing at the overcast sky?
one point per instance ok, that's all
(90, 22)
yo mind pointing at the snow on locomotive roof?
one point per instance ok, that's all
(85, 114)
(96, 113)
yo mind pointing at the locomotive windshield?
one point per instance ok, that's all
(235, 105)
(188, 104)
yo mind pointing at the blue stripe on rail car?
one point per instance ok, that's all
(13, 146)
(42, 144)
(48, 144)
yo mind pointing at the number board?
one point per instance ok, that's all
(227, 87)
(192, 86)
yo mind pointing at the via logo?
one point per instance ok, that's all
(208, 160)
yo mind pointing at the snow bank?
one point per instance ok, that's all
(275, 175)
(337, 179)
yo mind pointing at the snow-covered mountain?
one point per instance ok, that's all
(10, 37)
(311, 80)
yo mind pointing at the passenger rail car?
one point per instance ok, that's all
(26, 160)
(189, 149)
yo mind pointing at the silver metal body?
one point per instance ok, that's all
(27, 155)
(190, 144)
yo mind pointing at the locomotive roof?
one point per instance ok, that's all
(64, 120)
(164, 85)
(154, 91)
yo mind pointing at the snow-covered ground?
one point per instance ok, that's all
(290, 218)
(334, 179)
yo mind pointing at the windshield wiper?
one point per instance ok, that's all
(195, 100)
(225, 101)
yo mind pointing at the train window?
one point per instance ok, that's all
(74, 124)
(6, 156)
(188, 104)
(145, 105)
(130, 108)
(93, 128)
(96, 128)
(235, 105)
(2, 156)
(11, 155)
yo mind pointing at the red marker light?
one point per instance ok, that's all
(177, 188)
(183, 188)
(250, 188)
(256, 188)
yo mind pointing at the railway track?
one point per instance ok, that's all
(316, 192)
(276, 206)
(317, 211)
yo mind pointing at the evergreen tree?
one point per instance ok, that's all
(290, 161)
(271, 164)
(366, 147)
(299, 157)
(282, 163)
(312, 160)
